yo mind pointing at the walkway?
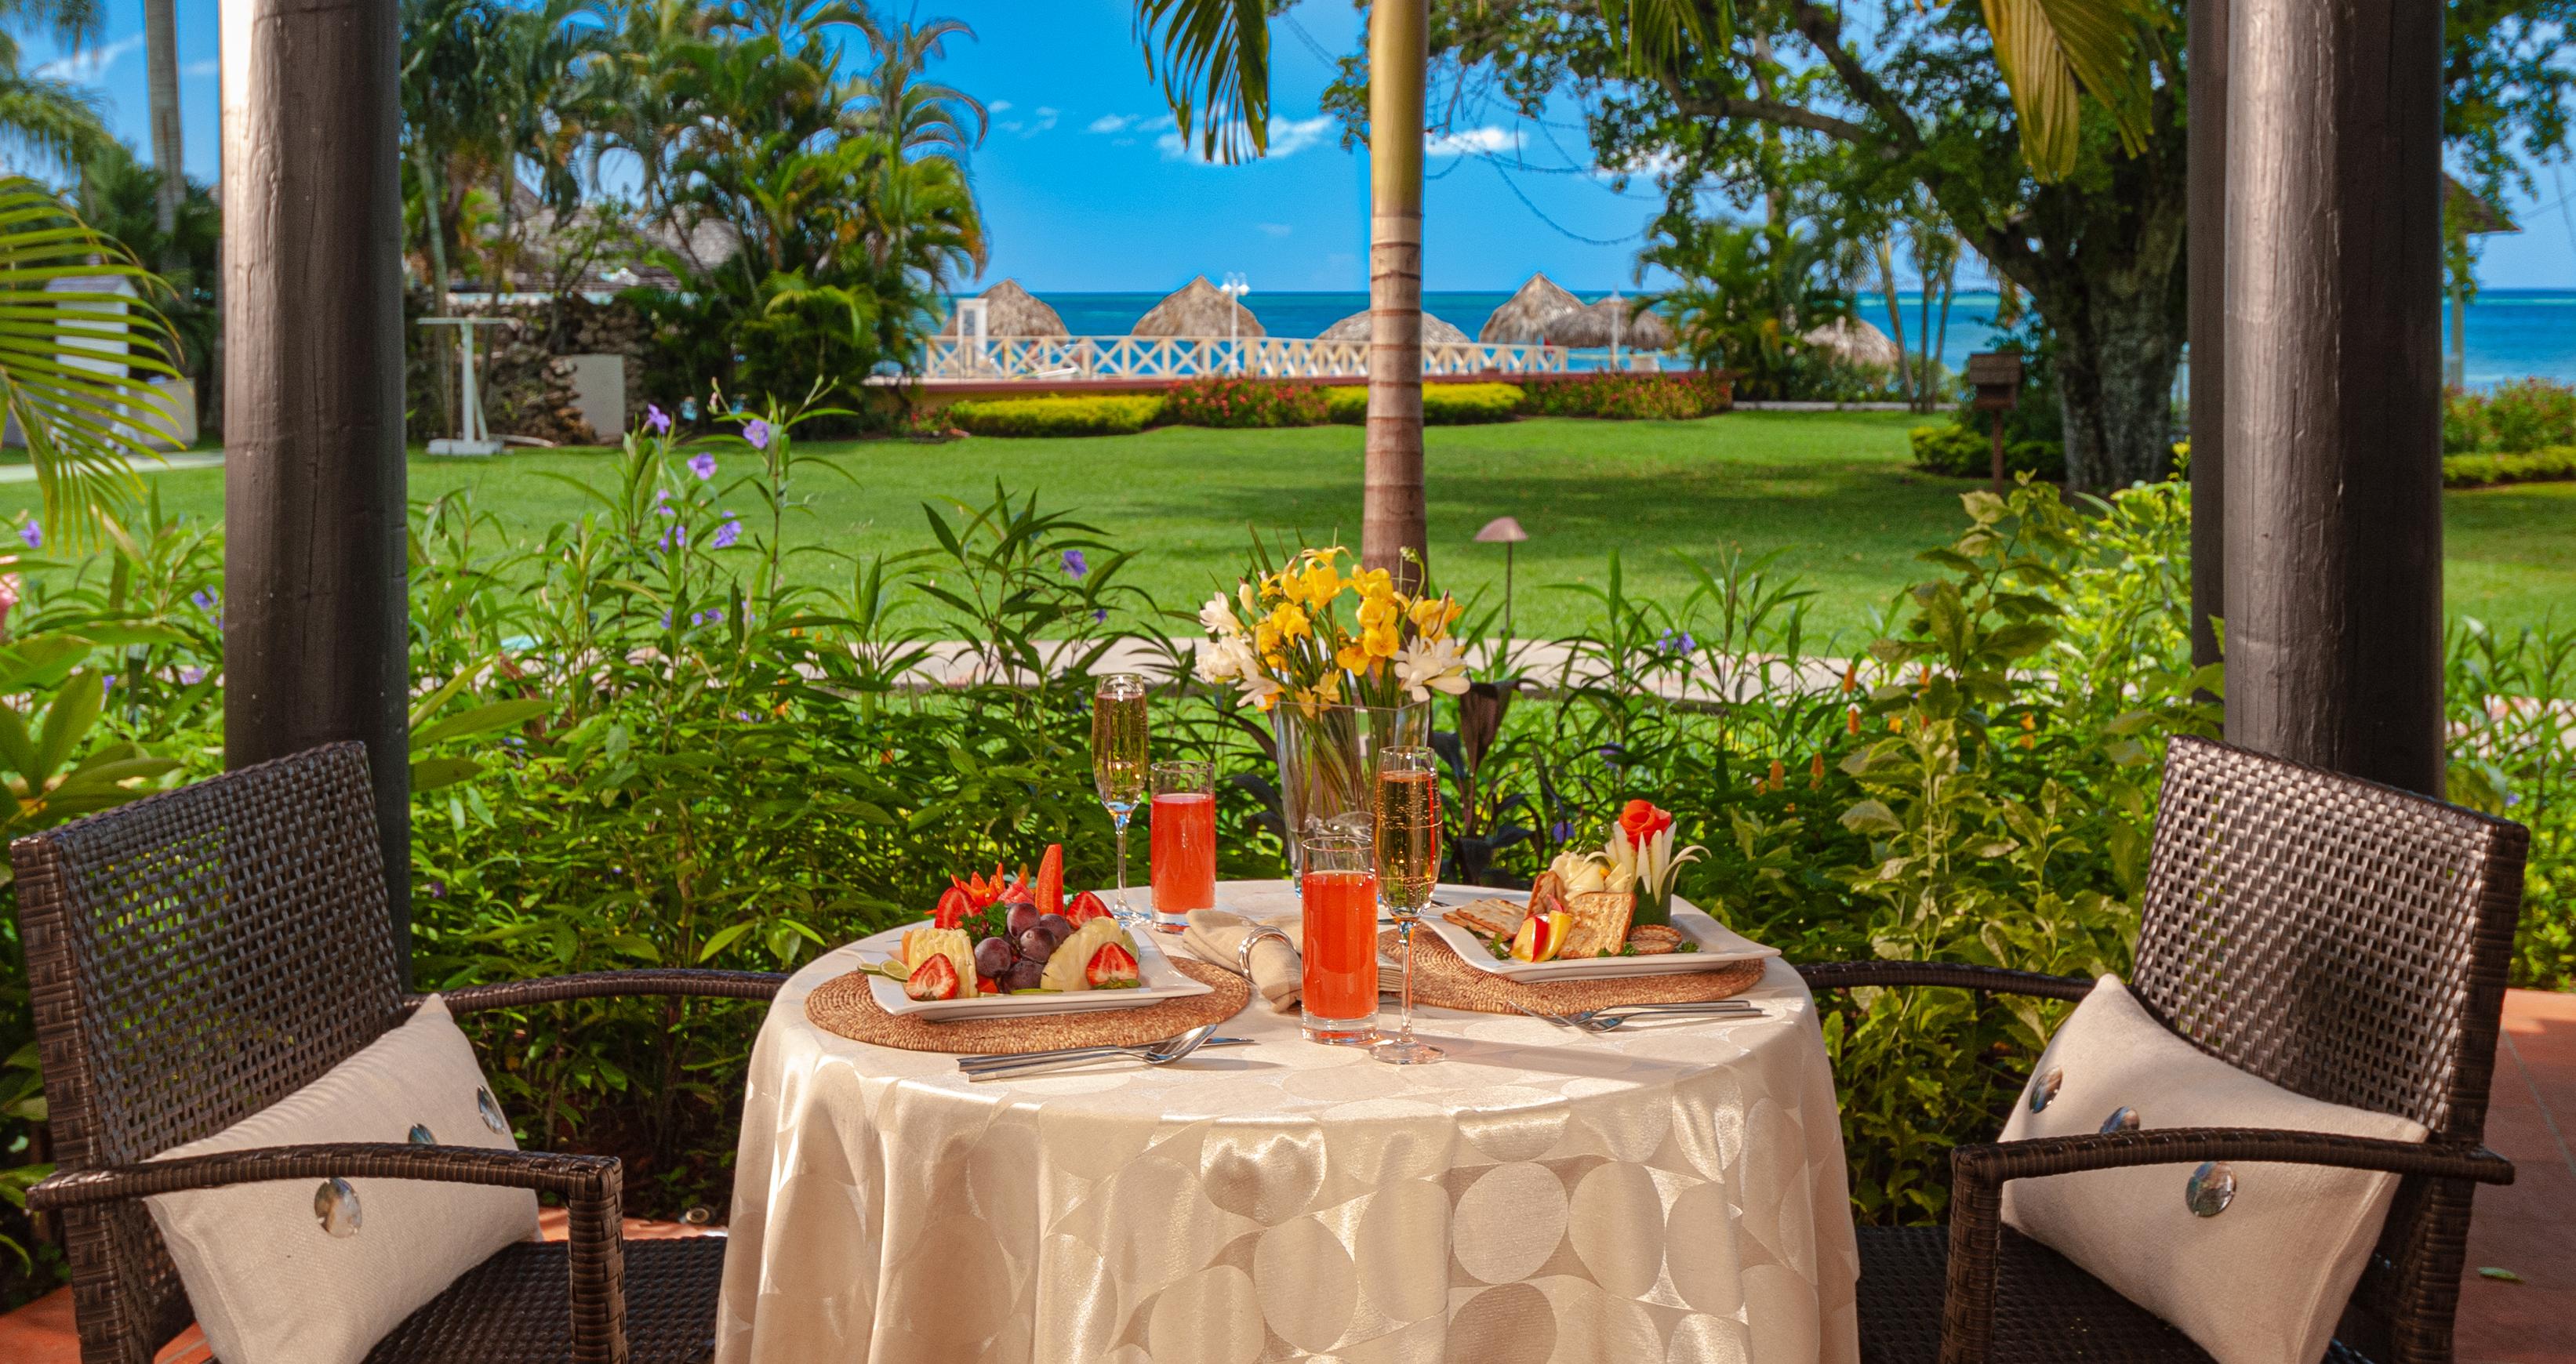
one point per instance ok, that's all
(2526, 1230)
(200, 459)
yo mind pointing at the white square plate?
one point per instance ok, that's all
(1719, 946)
(1160, 980)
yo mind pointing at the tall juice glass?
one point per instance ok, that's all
(1407, 837)
(1182, 848)
(1339, 894)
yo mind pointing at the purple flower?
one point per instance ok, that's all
(1677, 644)
(1075, 564)
(708, 617)
(757, 432)
(1561, 831)
(658, 419)
(703, 465)
(727, 533)
(33, 533)
(438, 890)
(666, 620)
(1100, 613)
(205, 599)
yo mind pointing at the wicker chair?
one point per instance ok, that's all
(2341, 939)
(197, 956)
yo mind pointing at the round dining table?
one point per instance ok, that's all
(1673, 1191)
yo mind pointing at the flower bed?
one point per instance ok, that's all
(1101, 414)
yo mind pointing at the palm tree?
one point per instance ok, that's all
(161, 60)
(56, 120)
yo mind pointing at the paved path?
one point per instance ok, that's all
(201, 459)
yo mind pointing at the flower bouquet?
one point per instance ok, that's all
(1345, 664)
(1640, 849)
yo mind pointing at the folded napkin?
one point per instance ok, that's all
(1216, 935)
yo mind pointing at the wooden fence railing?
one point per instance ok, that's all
(1178, 357)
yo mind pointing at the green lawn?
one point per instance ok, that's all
(1832, 493)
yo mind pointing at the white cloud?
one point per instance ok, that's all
(1111, 123)
(199, 70)
(999, 106)
(1287, 138)
(90, 65)
(1158, 123)
(1046, 119)
(1275, 229)
(1464, 141)
(1122, 142)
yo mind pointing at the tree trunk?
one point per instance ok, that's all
(1392, 518)
(161, 41)
(1895, 318)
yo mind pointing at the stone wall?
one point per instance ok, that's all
(527, 387)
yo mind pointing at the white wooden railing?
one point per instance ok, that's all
(1177, 357)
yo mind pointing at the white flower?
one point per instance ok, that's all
(1425, 666)
(1225, 659)
(1259, 688)
(1218, 617)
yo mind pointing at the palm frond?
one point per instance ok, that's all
(1213, 59)
(2048, 51)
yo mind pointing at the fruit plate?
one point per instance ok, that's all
(1719, 946)
(1158, 979)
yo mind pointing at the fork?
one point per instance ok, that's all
(1606, 1019)
(1161, 1053)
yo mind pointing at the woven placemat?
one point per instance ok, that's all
(844, 1008)
(1441, 980)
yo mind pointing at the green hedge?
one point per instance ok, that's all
(1101, 414)
(1442, 404)
(1959, 452)
(2537, 466)
(1629, 397)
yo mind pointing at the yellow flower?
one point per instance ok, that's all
(1432, 616)
(1290, 622)
(1351, 658)
(1381, 641)
(1373, 582)
(1380, 610)
(1318, 584)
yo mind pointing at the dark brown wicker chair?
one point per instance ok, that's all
(197, 956)
(2341, 939)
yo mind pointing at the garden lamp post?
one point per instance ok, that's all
(1504, 531)
(1234, 288)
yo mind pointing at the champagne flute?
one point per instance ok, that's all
(1118, 765)
(1408, 863)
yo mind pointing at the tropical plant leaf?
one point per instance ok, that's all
(1213, 58)
(2052, 52)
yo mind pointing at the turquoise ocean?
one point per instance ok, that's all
(2511, 333)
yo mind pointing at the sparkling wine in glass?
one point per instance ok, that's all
(1118, 763)
(1408, 863)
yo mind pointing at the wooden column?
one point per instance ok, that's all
(2207, 290)
(2333, 471)
(314, 629)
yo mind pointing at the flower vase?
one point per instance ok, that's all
(1328, 760)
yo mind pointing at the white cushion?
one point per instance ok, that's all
(271, 1282)
(2264, 1279)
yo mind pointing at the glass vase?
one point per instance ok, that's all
(1328, 760)
(1653, 908)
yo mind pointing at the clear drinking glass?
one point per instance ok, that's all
(1407, 847)
(1118, 768)
(1339, 897)
(1181, 843)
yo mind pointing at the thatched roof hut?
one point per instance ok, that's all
(1856, 341)
(1642, 328)
(1010, 310)
(1197, 309)
(1526, 314)
(1356, 328)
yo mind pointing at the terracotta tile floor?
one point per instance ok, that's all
(2527, 1229)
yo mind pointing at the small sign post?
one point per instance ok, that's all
(1996, 375)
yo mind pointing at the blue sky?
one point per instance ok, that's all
(1084, 187)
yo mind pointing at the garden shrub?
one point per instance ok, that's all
(1099, 414)
(2518, 417)
(1442, 404)
(2536, 466)
(1626, 397)
(1221, 401)
(1964, 452)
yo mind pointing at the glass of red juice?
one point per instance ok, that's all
(1339, 894)
(1183, 829)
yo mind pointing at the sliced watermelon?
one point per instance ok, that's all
(954, 906)
(934, 978)
(1051, 880)
(1110, 967)
(1086, 907)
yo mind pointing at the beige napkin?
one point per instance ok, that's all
(1216, 935)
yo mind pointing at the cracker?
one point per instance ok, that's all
(1600, 923)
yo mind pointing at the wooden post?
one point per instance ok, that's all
(1999, 452)
(2333, 469)
(2206, 271)
(1392, 518)
(314, 625)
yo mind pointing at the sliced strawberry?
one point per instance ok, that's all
(954, 906)
(1086, 907)
(934, 978)
(1110, 966)
(986, 985)
(1051, 880)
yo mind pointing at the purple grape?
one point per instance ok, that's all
(1024, 976)
(1022, 919)
(1036, 946)
(1056, 927)
(993, 957)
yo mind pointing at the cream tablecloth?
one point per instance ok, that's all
(1670, 1193)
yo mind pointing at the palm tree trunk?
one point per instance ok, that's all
(1895, 317)
(1391, 518)
(161, 41)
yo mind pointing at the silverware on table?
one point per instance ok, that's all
(1612, 1017)
(1161, 1053)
